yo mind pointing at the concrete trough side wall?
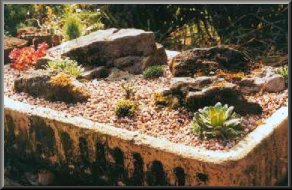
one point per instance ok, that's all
(87, 148)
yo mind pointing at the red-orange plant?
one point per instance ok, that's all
(22, 58)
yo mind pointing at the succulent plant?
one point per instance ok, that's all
(283, 71)
(216, 121)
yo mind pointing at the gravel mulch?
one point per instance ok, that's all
(150, 119)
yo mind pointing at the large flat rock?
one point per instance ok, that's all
(128, 49)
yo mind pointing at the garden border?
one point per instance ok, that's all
(260, 159)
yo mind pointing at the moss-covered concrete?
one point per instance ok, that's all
(95, 151)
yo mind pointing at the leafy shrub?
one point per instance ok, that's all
(68, 66)
(216, 121)
(125, 108)
(284, 72)
(23, 58)
(72, 27)
(154, 71)
(129, 90)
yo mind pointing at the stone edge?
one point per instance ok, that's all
(238, 152)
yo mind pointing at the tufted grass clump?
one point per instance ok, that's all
(154, 71)
(216, 121)
(283, 71)
(68, 66)
(125, 108)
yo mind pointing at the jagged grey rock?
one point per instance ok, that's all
(127, 49)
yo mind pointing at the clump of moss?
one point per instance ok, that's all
(154, 71)
(68, 66)
(125, 108)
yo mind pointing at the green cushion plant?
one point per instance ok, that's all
(154, 71)
(125, 108)
(68, 66)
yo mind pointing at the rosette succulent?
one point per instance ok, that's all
(216, 121)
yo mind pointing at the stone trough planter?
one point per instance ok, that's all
(80, 146)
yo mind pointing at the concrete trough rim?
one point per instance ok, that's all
(236, 153)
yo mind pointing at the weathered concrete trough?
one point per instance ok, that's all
(86, 148)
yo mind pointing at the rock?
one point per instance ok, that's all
(160, 56)
(276, 61)
(26, 30)
(35, 36)
(130, 50)
(198, 92)
(132, 64)
(117, 75)
(248, 85)
(188, 62)
(38, 84)
(227, 94)
(93, 73)
(275, 83)
(42, 62)
(187, 83)
(171, 54)
(265, 80)
(9, 44)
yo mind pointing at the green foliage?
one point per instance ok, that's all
(72, 27)
(68, 66)
(216, 121)
(154, 71)
(15, 16)
(258, 29)
(129, 90)
(284, 72)
(125, 108)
